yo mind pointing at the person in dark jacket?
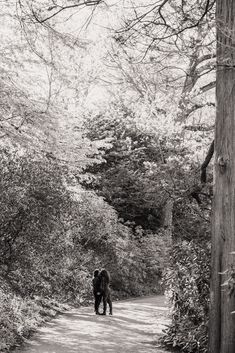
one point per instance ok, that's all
(105, 291)
(96, 283)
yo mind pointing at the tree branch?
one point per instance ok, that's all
(208, 87)
(199, 128)
(206, 162)
(63, 8)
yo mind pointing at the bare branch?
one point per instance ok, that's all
(159, 20)
(206, 162)
(208, 87)
(63, 8)
(199, 128)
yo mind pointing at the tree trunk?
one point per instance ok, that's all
(222, 322)
(168, 220)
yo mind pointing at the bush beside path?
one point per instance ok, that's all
(135, 327)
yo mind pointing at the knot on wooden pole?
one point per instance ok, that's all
(222, 163)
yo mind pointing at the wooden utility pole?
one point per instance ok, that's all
(222, 321)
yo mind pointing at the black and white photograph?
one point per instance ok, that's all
(117, 176)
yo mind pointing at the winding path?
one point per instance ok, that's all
(134, 328)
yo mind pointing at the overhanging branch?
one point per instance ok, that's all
(63, 8)
(206, 162)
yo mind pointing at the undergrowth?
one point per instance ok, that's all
(20, 317)
(188, 284)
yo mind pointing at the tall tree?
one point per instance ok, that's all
(222, 320)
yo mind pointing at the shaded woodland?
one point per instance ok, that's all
(107, 116)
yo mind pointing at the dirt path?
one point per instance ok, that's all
(134, 328)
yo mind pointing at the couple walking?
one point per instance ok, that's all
(101, 291)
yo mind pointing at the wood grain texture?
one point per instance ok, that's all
(222, 322)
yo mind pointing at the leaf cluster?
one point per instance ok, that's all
(187, 281)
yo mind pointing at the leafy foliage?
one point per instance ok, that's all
(187, 282)
(142, 169)
(79, 192)
(20, 317)
(52, 235)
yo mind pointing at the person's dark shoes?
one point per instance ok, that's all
(110, 313)
(103, 314)
(97, 313)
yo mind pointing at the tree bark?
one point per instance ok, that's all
(222, 322)
(168, 220)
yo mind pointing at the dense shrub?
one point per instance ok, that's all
(20, 317)
(52, 236)
(140, 272)
(187, 284)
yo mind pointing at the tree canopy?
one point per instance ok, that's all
(107, 113)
